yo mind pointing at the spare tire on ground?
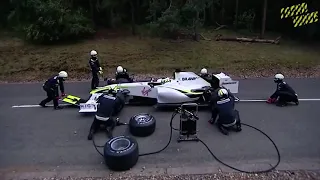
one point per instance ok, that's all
(121, 153)
(142, 125)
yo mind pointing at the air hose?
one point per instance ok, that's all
(213, 155)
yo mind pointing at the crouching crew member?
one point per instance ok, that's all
(95, 69)
(107, 108)
(284, 93)
(122, 75)
(223, 103)
(51, 88)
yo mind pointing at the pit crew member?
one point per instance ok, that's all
(95, 69)
(284, 93)
(223, 105)
(109, 105)
(205, 75)
(122, 75)
(51, 88)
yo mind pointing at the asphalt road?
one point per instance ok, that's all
(35, 138)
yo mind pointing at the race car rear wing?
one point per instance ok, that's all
(226, 82)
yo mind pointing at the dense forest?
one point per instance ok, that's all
(59, 20)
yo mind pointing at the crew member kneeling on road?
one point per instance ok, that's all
(205, 75)
(223, 105)
(95, 69)
(283, 94)
(122, 75)
(107, 107)
(51, 87)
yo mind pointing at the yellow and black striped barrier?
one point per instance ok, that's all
(305, 19)
(298, 14)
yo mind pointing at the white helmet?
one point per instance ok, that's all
(279, 76)
(204, 71)
(223, 93)
(119, 69)
(93, 53)
(63, 74)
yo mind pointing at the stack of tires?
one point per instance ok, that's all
(122, 152)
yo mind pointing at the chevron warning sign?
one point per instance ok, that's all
(298, 14)
(294, 10)
(305, 19)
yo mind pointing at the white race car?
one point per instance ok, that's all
(185, 87)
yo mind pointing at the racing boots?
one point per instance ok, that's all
(42, 105)
(281, 104)
(118, 123)
(212, 121)
(237, 128)
(90, 135)
(58, 107)
(55, 107)
(223, 130)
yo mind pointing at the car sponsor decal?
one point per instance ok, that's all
(100, 89)
(145, 91)
(188, 78)
(229, 83)
(188, 93)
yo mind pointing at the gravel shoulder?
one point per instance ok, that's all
(21, 62)
(275, 175)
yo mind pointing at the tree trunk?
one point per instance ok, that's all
(92, 11)
(138, 12)
(204, 15)
(195, 27)
(212, 13)
(133, 23)
(264, 18)
(154, 14)
(253, 40)
(236, 16)
(111, 16)
(222, 12)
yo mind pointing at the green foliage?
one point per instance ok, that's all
(167, 25)
(58, 20)
(49, 21)
(246, 19)
(177, 17)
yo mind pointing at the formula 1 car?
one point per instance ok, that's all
(185, 87)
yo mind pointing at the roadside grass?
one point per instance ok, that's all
(142, 55)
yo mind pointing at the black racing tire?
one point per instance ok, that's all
(142, 125)
(121, 153)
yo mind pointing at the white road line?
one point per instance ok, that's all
(262, 100)
(241, 100)
(33, 105)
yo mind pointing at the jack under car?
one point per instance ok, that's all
(185, 87)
